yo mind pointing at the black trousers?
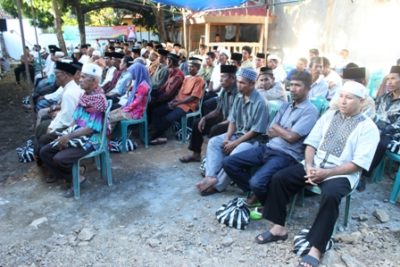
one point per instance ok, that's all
(379, 153)
(211, 128)
(60, 162)
(20, 69)
(289, 181)
(163, 117)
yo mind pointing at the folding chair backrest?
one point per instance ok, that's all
(104, 142)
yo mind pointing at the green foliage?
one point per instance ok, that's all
(146, 20)
(42, 11)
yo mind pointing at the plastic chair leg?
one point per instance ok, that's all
(124, 133)
(395, 189)
(184, 128)
(107, 167)
(377, 174)
(75, 180)
(291, 208)
(145, 134)
(347, 210)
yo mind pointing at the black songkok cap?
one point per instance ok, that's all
(228, 69)
(260, 55)
(354, 73)
(236, 56)
(163, 52)
(173, 56)
(66, 67)
(77, 65)
(395, 69)
(117, 55)
(266, 70)
(84, 46)
(136, 50)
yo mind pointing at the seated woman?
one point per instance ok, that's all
(84, 135)
(137, 99)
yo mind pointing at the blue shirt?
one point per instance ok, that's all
(300, 119)
(122, 83)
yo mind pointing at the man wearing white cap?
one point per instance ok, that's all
(338, 148)
(214, 85)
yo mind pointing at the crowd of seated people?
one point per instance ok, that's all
(270, 158)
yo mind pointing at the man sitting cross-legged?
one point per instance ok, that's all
(215, 122)
(287, 132)
(340, 145)
(248, 118)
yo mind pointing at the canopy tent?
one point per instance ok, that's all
(197, 5)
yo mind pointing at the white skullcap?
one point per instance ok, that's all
(355, 88)
(59, 54)
(275, 57)
(96, 53)
(92, 69)
(143, 51)
(118, 50)
(224, 51)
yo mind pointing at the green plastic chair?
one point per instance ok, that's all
(317, 190)
(379, 171)
(101, 155)
(143, 128)
(273, 107)
(321, 104)
(184, 119)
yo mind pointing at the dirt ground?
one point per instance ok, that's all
(153, 216)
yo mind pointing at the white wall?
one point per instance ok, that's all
(368, 28)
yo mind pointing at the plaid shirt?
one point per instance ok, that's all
(388, 115)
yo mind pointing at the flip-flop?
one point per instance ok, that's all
(268, 237)
(187, 159)
(255, 214)
(210, 190)
(310, 260)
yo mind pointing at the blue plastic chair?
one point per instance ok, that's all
(379, 171)
(184, 119)
(321, 104)
(143, 128)
(102, 156)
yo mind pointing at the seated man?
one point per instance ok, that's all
(123, 83)
(45, 132)
(387, 118)
(215, 122)
(116, 62)
(268, 88)
(291, 125)
(332, 78)
(339, 146)
(187, 100)
(160, 75)
(170, 88)
(247, 119)
(319, 87)
(59, 156)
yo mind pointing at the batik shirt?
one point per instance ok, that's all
(388, 115)
(339, 140)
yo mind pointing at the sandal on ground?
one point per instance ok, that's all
(268, 237)
(256, 214)
(209, 191)
(310, 260)
(158, 141)
(187, 159)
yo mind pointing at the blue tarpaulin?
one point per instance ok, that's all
(198, 5)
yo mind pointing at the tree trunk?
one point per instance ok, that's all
(162, 33)
(57, 24)
(81, 21)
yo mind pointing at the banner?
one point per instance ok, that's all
(71, 33)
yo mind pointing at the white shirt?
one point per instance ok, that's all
(359, 147)
(84, 59)
(334, 83)
(56, 95)
(279, 74)
(216, 77)
(69, 102)
(109, 76)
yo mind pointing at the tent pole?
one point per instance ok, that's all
(28, 75)
(184, 29)
(36, 36)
